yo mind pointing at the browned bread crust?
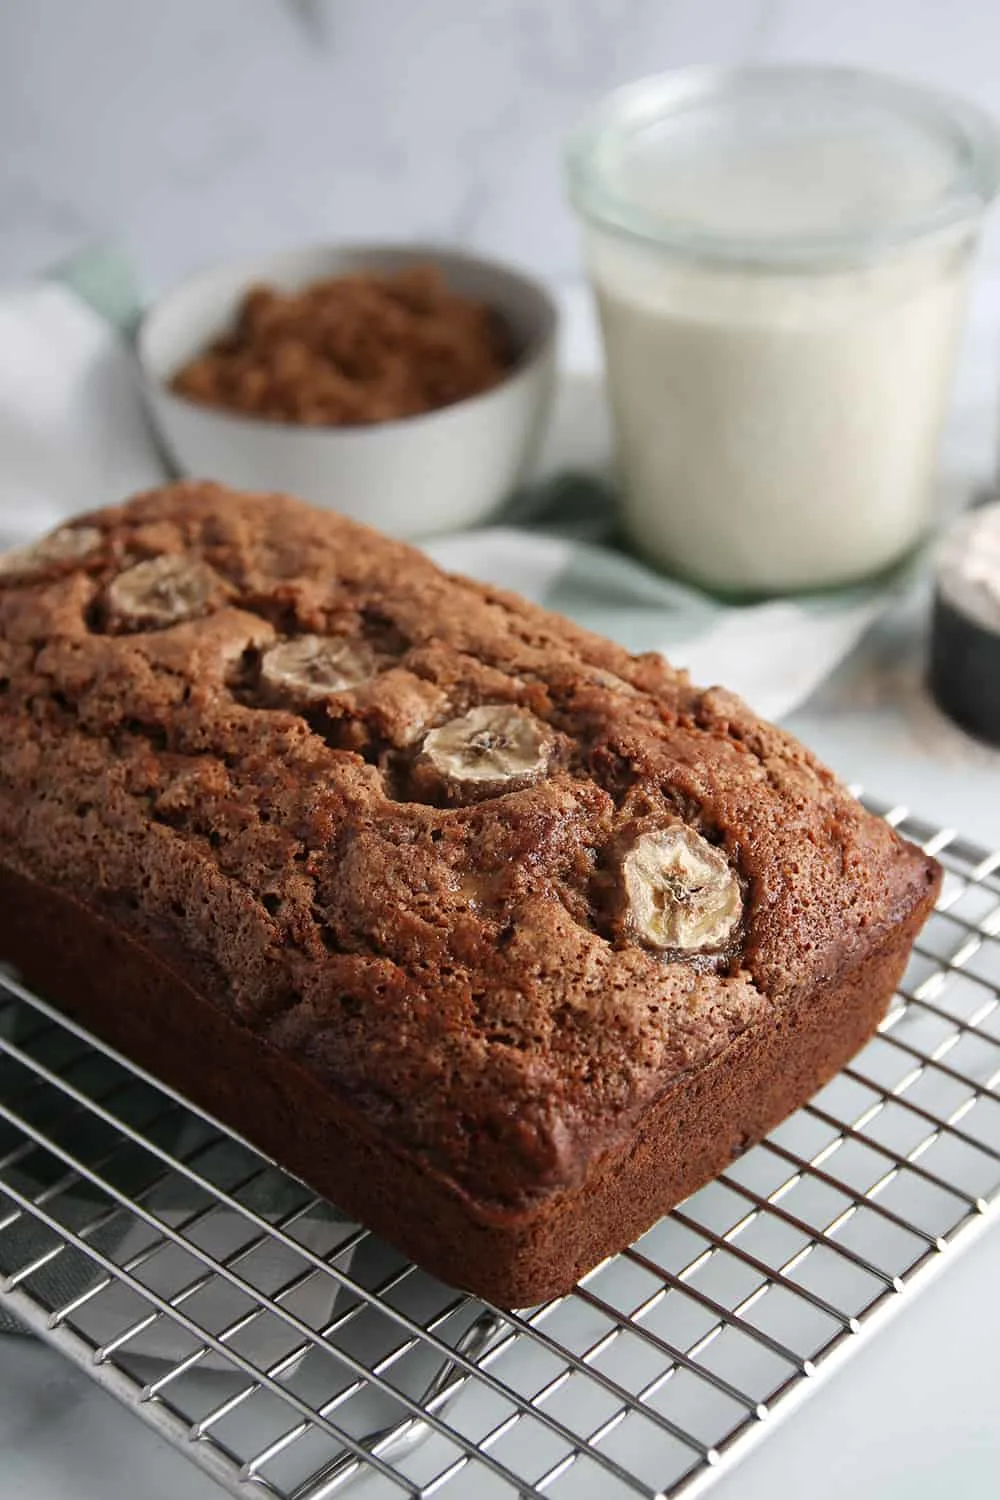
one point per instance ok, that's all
(425, 1001)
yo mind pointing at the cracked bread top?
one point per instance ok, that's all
(393, 821)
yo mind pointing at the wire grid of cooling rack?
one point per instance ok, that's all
(289, 1353)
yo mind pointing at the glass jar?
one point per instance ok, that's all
(780, 258)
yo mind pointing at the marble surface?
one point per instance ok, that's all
(207, 127)
(204, 127)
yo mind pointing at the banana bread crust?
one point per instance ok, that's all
(422, 999)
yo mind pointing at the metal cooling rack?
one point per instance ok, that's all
(289, 1353)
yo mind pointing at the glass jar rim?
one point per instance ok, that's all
(969, 132)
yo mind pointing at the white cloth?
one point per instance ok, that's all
(72, 430)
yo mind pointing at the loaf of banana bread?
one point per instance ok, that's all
(499, 937)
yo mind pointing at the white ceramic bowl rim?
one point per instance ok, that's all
(258, 268)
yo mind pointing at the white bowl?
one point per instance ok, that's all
(412, 477)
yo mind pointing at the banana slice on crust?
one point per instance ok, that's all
(491, 749)
(163, 591)
(311, 667)
(681, 892)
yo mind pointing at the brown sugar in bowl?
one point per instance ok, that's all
(365, 346)
(443, 451)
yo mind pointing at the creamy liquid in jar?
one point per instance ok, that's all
(778, 343)
(778, 436)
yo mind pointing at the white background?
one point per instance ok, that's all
(200, 127)
(191, 129)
